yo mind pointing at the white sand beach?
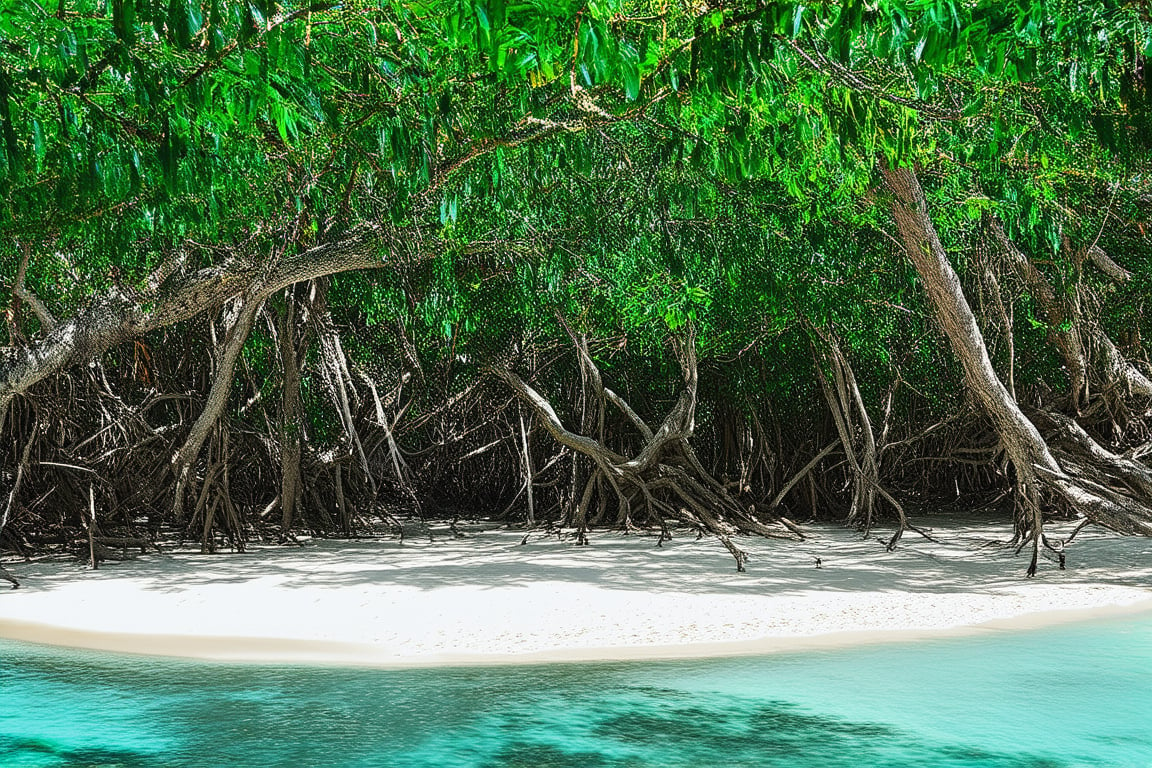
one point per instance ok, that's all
(488, 599)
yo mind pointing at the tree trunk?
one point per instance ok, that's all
(115, 318)
(291, 425)
(337, 376)
(1023, 442)
(235, 337)
(850, 415)
(1063, 322)
(665, 481)
(1107, 488)
(1114, 376)
(21, 471)
(529, 476)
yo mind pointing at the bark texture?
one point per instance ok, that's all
(239, 324)
(116, 318)
(1063, 320)
(290, 421)
(1088, 478)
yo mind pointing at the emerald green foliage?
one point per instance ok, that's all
(633, 167)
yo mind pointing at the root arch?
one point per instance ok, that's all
(664, 481)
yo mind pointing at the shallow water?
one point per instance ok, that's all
(1077, 695)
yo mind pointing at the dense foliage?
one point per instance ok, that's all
(414, 195)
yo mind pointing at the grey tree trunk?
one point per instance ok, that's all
(1074, 334)
(1022, 441)
(1111, 490)
(664, 481)
(290, 424)
(235, 337)
(115, 318)
(1063, 324)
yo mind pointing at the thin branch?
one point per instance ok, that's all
(846, 77)
(24, 294)
(303, 13)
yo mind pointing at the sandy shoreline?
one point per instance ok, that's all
(487, 600)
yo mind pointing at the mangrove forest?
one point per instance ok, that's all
(686, 267)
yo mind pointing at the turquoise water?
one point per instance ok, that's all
(1071, 696)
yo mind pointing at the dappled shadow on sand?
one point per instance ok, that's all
(972, 555)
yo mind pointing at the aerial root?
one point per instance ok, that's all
(663, 481)
(8, 577)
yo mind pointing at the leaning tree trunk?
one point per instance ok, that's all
(167, 299)
(1063, 322)
(240, 325)
(173, 294)
(1105, 487)
(1113, 375)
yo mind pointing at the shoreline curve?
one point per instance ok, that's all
(488, 600)
(284, 650)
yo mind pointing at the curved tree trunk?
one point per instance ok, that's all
(243, 316)
(1063, 323)
(1073, 334)
(1094, 482)
(1019, 436)
(116, 318)
(1118, 376)
(168, 297)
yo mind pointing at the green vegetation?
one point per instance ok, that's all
(281, 266)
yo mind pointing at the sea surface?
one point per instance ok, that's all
(1075, 695)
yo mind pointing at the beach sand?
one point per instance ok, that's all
(487, 599)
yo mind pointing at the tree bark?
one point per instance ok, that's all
(1023, 442)
(529, 476)
(334, 369)
(114, 318)
(1093, 481)
(1116, 370)
(234, 340)
(1116, 376)
(664, 479)
(290, 422)
(21, 470)
(1106, 265)
(1006, 321)
(1063, 324)
(22, 293)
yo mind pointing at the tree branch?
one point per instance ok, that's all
(24, 294)
(276, 21)
(113, 319)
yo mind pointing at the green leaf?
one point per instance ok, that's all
(38, 146)
(124, 20)
(797, 20)
(975, 106)
(631, 81)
